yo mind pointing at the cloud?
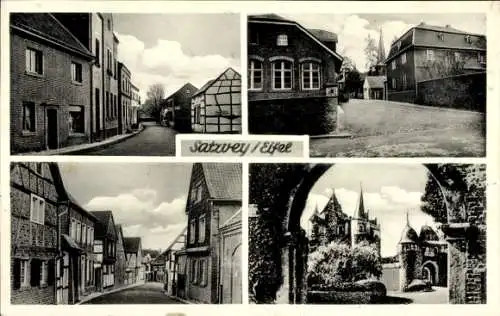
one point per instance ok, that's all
(388, 205)
(167, 63)
(140, 207)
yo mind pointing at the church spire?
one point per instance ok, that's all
(381, 49)
(360, 209)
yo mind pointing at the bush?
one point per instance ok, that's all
(337, 263)
(419, 285)
(377, 289)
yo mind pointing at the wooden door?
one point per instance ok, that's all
(52, 129)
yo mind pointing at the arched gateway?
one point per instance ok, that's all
(465, 231)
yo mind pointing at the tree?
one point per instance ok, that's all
(155, 95)
(337, 263)
(370, 52)
(348, 65)
(353, 80)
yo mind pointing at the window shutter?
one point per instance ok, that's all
(51, 272)
(17, 273)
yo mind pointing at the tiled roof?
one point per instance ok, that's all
(101, 226)
(269, 17)
(324, 36)
(131, 244)
(47, 26)
(188, 85)
(438, 28)
(376, 81)
(223, 180)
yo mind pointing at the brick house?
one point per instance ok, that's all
(216, 107)
(290, 70)
(133, 257)
(214, 197)
(177, 108)
(135, 102)
(96, 32)
(50, 84)
(124, 98)
(74, 274)
(121, 261)
(428, 52)
(105, 240)
(36, 192)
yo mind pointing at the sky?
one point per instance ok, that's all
(352, 29)
(390, 190)
(173, 49)
(147, 199)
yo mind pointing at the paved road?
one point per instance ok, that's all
(392, 129)
(149, 293)
(155, 140)
(439, 295)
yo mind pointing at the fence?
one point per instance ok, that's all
(464, 92)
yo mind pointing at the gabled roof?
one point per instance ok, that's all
(131, 244)
(376, 81)
(46, 27)
(276, 19)
(324, 36)
(223, 180)
(187, 85)
(204, 87)
(105, 219)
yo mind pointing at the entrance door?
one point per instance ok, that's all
(236, 276)
(52, 141)
(98, 278)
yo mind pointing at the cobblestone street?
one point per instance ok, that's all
(149, 293)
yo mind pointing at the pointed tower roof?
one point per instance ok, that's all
(359, 212)
(314, 214)
(408, 235)
(381, 49)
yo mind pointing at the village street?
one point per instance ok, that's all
(391, 129)
(155, 140)
(149, 293)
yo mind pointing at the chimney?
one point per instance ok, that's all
(448, 26)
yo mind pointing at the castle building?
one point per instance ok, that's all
(422, 256)
(332, 224)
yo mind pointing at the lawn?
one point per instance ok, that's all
(390, 129)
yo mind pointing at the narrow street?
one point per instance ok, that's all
(149, 293)
(391, 129)
(155, 140)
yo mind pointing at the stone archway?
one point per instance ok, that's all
(430, 272)
(465, 229)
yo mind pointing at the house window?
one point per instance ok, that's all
(458, 57)
(37, 209)
(282, 40)
(20, 273)
(282, 75)
(72, 232)
(310, 75)
(201, 229)
(107, 104)
(192, 231)
(84, 234)
(110, 62)
(78, 232)
(29, 116)
(404, 82)
(39, 168)
(34, 61)
(399, 44)
(197, 114)
(403, 58)
(394, 83)
(429, 55)
(255, 75)
(481, 58)
(468, 39)
(97, 52)
(76, 72)
(76, 120)
(441, 36)
(194, 271)
(361, 228)
(203, 273)
(393, 64)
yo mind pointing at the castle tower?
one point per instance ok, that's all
(408, 253)
(332, 214)
(315, 237)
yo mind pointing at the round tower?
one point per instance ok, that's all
(408, 253)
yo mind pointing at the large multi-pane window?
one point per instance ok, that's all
(310, 75)
(192, 231)
(37, 209)
(201, 228)
(255, 75)
(282, 71)
(34, 61)
(76, 119)
(76, 72)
